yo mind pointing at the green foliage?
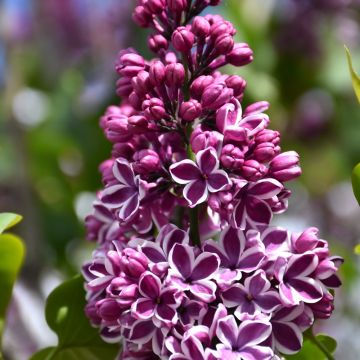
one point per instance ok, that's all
(355, 178)
(76, 338)
(354, 76)
(313, 348)
(12, 253)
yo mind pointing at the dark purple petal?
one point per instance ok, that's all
(258, 283)
(165, 313)
(233, 241)
(129, 208)
(307, 289)
(227, 331)
(143, 308)
(273, 238)
(287, 295)
(196, 192)
(193, 348)
(247, 307)
(217, 181)
(288, 337)
(207, 161)
(206, 264)
(123, 172)
(153, 252)
(252, 333)
(185, 171)
(116, 195)
(268, 301)
(142, 331)
(265, 189)
(239, 215)
(149, 286)
(204, 290)
(332, 281)
(176, 236)
(301, 265)
(215, 248)
(258, 211)
(234, 296)
(256, 353)
(250, 259)
(182, 258)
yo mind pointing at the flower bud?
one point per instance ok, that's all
(108, 309)
(200, 27)
(252, 170)
(190, 110)
(201, 139)
(215, 96)
(141, 83)
(267, 135)
(256, 108)
(199, 85)
(285, 166)
(177, 5)
(323, 308)
(265, 152)
(135, 100)
(92, 313)
(154, 109)
(124, 150)
(157, 73)
(129, 64)
(220, 28)
(146, 161)
(142, 17)
(240, 55)
(306, 241)
(183, 39)
(224, 44)
(133, 263)
(237, 83)
(231, 157)
(124, 87)
(157, 42)
(137, 124)
(155, 6)
(174, 75)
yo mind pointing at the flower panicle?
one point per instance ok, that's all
(188, 264)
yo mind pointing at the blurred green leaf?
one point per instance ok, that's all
(354, 76)
(8, 220)
(355, 179)
(12, 253)
(357, 249)
(76, 338)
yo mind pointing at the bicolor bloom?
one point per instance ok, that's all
(201, 177)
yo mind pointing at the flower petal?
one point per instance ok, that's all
(251, 259)
(217, 181)
(265, 188)
(129, 208)
(234, 296)
(123, 172)
(258, 283)
(288, 337)
(301, 265)
(182, 259)
(116, 196)
(203, 290)
(142, 331)
(166, 313)
(252, 333)
(143, 308)
(184, 171)
(206, 264)
(149, 286)
(258, 211)
(269, 301)
(256, 353)
(196, 192)
(307, 290)
(207, 161)
(227, 331)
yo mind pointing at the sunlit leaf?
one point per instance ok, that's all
(355, 179)
(8, 220)
(354, 76)
(77, 339)
(357, 249)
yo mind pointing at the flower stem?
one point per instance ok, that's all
(194, 226)
(321, 346)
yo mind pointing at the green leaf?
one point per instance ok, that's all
(355, 179)
(76, 338)
(357, 249)
(311, 351)
(12, 253)
(354, 76)
(8, 220)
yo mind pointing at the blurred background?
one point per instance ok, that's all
(57, 77)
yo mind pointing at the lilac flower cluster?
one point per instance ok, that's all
(187, 264)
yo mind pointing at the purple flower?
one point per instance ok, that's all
(242, 342)
(193, 273)
(255, 295)
(296, 283)
(251, 206)
(126, 193)
(238, 252)
(200, 178)
(156, 301)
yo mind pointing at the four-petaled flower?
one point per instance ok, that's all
(124, 195)
(254, 295)
(242, 342)
(200, 178)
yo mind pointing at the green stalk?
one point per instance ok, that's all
(194, 226)
(318, 344)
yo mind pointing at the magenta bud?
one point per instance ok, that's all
(201, 139)
(240, 55)
(124, 87)
(135, 100)
(174, 75)
(142, 17)
(183, 39)
(306, 241)
(129, 64)
(200, 26)
(155, 6)
(177, 5)
(220, 28)
(256, 108)
(323, 308)
(190, 110)
(267, 135)
(285, 166)
(224, 44)
(157, 42)
(253, 170)
(215, 96)
(124, 150)
(199, 85)
(141, 83)
(146, 161)
(231, 157)
(157, 73)
(108, 309)
(133, 263)
(154, 109)
(137, 124)
(92, 313)
(266, 151)
(237, 83)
